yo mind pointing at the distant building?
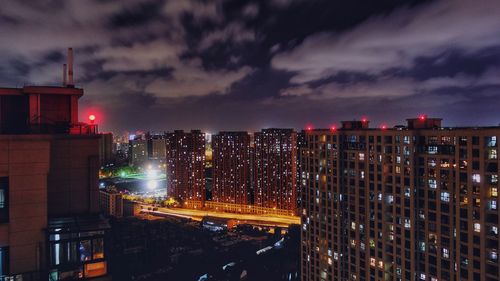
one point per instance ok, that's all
(275, 169)
(111, 203)
(131, 208)
(301, 175)
(217, 224)
(138, 147)
(105, 148)
(156, 148)
(231, 167)
(415, 202)
(186, 165)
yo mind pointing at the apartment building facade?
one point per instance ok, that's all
(418, 202)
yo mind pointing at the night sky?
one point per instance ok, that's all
(245, 65)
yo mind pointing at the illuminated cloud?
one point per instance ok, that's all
(216, 64)
(395, 40)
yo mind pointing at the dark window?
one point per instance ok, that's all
(4, 261)
(4, 199)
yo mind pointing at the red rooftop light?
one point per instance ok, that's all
(333, 128)
(364, 119)
(92, 118)
(422, 117)
(383, 127)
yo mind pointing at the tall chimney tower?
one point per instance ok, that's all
(65, 74)
(70, 67)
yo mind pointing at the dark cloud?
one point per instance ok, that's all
(246, 64)
(54, 57)
(137, 14)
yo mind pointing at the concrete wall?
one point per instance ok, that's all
(73, 177)
(26, 163)
(48, 176)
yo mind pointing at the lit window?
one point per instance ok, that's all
(85, 250)
(492, 154)
(491, 141)
(407, 223)
(372, 261)
(446, 253)
(432, 183)
(494, 179)
(476, 178)
(445, 196)
(493, 192)
(493, 255)
(407, 192)
(421, 246)
(494, 230)
(432, 149)
(477, 227)
(493, 205)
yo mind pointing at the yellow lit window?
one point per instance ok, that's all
(95, 269)
(494, 192)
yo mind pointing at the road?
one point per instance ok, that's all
(272, 220)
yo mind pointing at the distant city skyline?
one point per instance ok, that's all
(245, 65)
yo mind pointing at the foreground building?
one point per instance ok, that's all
(275, 169)
(186, 165)
(231, 168)
(416, 202)
(49, 165)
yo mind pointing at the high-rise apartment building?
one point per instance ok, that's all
(156, 147)
(415, 202)
(275, 169)
(186, 165)
(138, 150)
(111, 203)
(231, 167)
